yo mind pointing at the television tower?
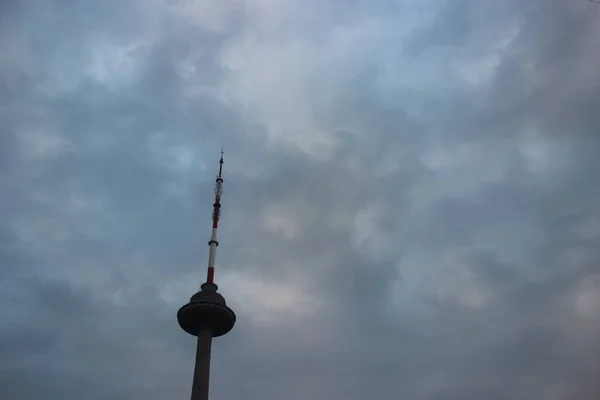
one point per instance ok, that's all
(206, 315)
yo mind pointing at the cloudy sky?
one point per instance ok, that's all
(411, 199)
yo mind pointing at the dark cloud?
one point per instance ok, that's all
(410, 203)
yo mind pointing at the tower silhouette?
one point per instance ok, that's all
(207, 316)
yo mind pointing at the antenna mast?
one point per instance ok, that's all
(214, 242)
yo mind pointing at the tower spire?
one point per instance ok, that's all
(214, 242)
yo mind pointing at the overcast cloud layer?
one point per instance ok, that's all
(411, 198)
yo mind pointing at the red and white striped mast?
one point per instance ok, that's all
(214, 242)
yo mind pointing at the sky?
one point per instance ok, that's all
(411, 207)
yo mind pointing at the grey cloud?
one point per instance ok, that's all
(472, 287)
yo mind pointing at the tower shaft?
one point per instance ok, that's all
(202, 367)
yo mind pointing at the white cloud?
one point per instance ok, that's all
(365, 225)
(214, 15)
(267, 301)
(480, 70)
(457, 282)
(288, 218)
(115, 65)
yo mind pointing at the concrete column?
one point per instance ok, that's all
(202, 367)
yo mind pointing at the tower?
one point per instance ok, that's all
(206, 315)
